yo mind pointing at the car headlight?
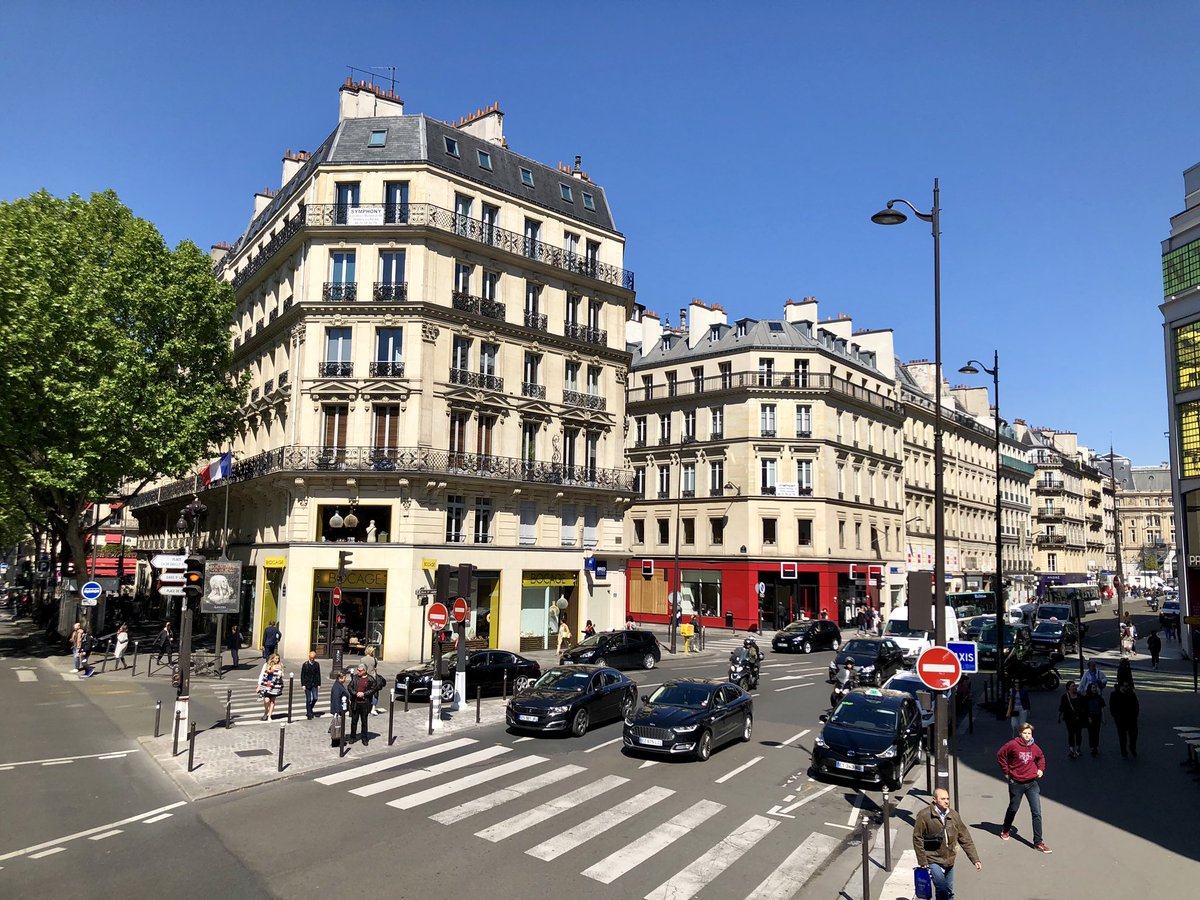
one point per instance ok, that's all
(587, 654)
(557, 710)
(629, 722)
(683, 729)
(889, 753)
(866, 668)
(819, 741)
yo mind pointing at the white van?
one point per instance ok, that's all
(915, 642)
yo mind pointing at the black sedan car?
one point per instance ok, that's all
(873, 736)
(1051, 635)
(571, 698)
(875, 660)
(624, 649)
(690, 716)
(807, 636)
(974, 625)
(490, 670)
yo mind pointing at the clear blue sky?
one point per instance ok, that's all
(743, 152)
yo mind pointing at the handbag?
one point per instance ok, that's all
(922, 884)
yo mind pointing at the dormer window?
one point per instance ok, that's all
(714, 333)
(589, 202)
(741, 329)
(526, 177)
(452, 146)
(775, 326)
(378, 138)
(565, 190)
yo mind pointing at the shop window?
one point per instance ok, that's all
(359, 523)
(700, 591)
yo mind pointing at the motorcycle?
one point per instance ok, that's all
(841, 688)
(742, 673)
(1035, 673)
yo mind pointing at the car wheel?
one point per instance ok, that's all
(704, 746)
(744, 683)
(521, 682)
(747, 727)
(601, 661)
(627, 706)
(579, 725)
(448, 691)
(648, 661)
(876, 679)
(837, 644)
(807, 647)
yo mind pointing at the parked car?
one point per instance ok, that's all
(875, 659)
(873, 736)
(817, 634)
(490, 670)
(975, 625)
(690, 716)
(1054, 636)
(572, 698)
(622, 649)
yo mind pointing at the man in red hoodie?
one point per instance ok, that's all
(1023, 764)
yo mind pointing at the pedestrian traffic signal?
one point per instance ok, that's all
(193, 577)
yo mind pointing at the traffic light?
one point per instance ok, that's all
(465, 571)
(193, 577)
(345, 557)
(442, 584)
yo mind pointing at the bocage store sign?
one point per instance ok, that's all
(548, 579)
(361, 579)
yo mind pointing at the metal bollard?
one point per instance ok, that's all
(107, 654)
(175, 740)
(478, 702)
(191, 745)
(887, 832)
(392, 718)
(342, 739)
(406, 692)
(954, 742)
(135, 652)
(504, 686)
(157, 716)
(866, 857)
(228, 708)
(291, 691)
(282, 731)
(431, 715)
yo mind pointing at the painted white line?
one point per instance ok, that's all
(605, 744)
(69, 676)
(597, 825)
(695, 876)
(467, 781)
(450, 765)
(40, 762)
(738, 771)
(648, 763)
(26, 675)
(792, 687)
(90, 831)
(549, 809)
(794, 738)
(836, 825)
(491, 801)
(792, 874)
(120, 755)
(49, 852)
(10, 768)
(793, 677)
(157, 818)
(803, 800)
(900, 882)
(789, 798)
(522, 739)
(383, 765)
(106, 834)
(658, 839)
(855, 807)
(59, 762)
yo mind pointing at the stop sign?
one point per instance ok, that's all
(337, 596)
(460, 610)
(437, 616)
(939, 669)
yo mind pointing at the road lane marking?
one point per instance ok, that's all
(521, 739)
(694, 877)
(597, 825)
(59, 762)
(836, 825)
(855, 808)
(383, 765)
(157, 818)
(803, 800)
(26, 675)
(605, 744)
(491, 801)
(49, 852)
(89, 832)
(648, 763)
(794, 737)
(793, 873)
(111, 754)
(467, 781)
(792, 687)
(738, 771)
(120, 755)
(450, 765)
(549, 809)
(794, 677)
(106, 834)
(658, 839)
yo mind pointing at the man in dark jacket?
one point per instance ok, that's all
(271, 638)
(361, 690)
(310, 678)
(339, 705)
(235, 644)
(1124, 707)
(1023, 765)
(938, 824)
(164, 643)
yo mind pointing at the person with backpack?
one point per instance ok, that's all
(86, 643)
(310, 680)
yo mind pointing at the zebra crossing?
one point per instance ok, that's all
(246, 707)
(588, 810)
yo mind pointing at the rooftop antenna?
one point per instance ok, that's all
(373, 69)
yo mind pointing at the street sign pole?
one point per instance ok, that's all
(437, 617)
(459, 612)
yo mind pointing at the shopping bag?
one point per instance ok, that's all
(922, 884)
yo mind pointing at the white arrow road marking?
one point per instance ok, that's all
(89, 832)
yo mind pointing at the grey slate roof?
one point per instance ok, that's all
(1151, 478)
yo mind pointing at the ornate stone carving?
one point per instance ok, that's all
(429, 332)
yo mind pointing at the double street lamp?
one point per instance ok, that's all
(892, 216)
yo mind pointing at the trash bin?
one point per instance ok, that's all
(728, 619)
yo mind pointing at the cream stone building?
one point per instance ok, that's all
(767, 461)
(1147, 521)
(432, 330)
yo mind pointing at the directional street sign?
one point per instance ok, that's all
(939, 669)
(91, 591)
(437, 616)
(170, 577)
(169, 561)
(171, 590)
(968, 656)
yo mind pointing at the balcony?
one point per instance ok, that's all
(717, 436)
(339, 292)
(1095, 521)
(664, 495)
(664, 441)
(768, 490)
(254, 263)
(530, 389)
(335, 369)
(269, 387)
(583, 401)
(688, 439)
(535, 320)
(688, 495)
(585, 333)
(748, 382)
(1051, 540)
(283, 380)
(1050, 514)
(383, 369)
(806, 491)
(767, 433)
(716, 492)
(639, 443)
(1049, 486)
(805, 433)
(477, 305)
(254, 395)
(391, 291)
(476, 380)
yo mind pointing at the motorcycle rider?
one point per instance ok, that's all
(750, 656)
(845, 681)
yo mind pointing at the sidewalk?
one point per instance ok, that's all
(1118, 827)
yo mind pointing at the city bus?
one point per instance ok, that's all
(1066, 593)
(967, 604)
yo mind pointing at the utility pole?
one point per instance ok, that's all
(675, 598)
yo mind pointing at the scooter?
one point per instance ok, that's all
(1039, 674)
(840, 690)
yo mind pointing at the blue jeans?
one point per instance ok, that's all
(1031, 791)
(310, 700)
(943, 881)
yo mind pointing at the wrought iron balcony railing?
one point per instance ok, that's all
(1051, 540)
(335, 369)
(283, 380)
(639, 443)
(1048, 486)
(536, 391)
(384, 369)
(339, 292)
(391, 291)
(536, 321)
(269, 387)
(476, 380)
(257, 261)
(1049, 512)
(585, 333)
(741, 382)
(584, 401)
(480, 306)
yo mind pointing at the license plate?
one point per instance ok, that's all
(651, 742)
(528, 718)
(848, 766)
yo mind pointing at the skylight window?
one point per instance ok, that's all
(566, 193)
(589, 202)
(485, 160)
(775, 326)
(526, 177)
(452, 146)
(378, 138)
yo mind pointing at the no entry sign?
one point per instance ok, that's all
(460, 610)
(437, 616)
(337, 596)
(939, 669)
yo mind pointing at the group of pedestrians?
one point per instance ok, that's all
(1083, 706)
(82, 642)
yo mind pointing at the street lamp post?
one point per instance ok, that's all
(892, 216)
(998, 586)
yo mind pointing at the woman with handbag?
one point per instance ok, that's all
(270, 685)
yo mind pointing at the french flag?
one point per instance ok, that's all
(218, 468)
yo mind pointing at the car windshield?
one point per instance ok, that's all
(565, 680)
(861, 648)
(798, 626)
(591, 640)
(910, 686)
(988, 635)
(1054, 612)
(860, 713)
(1051, 628)
(899, 628)
(692, 696)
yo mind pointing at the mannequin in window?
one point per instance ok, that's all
(371, 532)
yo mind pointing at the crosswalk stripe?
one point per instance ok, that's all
(551, 808)
(26, 675)
(490, 801)
(573, 837)
(383, 765)
(693, 878)
(791, 875)
(450, 765)
(658, 839)
(467, 781)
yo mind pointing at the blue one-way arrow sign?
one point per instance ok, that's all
(968, 658)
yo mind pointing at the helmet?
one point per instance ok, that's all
(747, 643)
(849, 660)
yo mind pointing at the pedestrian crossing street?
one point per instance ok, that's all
(247, 706)
(589, 812)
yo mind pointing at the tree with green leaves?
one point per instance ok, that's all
(114, 357)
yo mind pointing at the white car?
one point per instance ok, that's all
(916, 688)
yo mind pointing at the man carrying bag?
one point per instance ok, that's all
(937, 833)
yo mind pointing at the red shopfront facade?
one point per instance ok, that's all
(727, 594)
